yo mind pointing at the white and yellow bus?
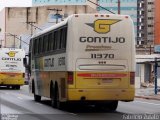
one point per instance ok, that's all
(87, 58)
(12, 70)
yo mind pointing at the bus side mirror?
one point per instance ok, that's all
(25, 62)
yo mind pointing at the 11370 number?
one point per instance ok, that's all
(110, 56)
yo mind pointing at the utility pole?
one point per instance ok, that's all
(14, 39)
(1, 43)
(31, 23)
(119, 6)
(57, 14)
(155, 76)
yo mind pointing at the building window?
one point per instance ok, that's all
(150, 33)
(150, 25)
(150, 3)
(150, 18)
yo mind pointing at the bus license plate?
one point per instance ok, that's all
(107, 80)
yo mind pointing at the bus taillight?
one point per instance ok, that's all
(132, 78)
(126, 16)
(23, 75)
(70, 77)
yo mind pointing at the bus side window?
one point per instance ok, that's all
(43, 45)
(64, 35)
(60, 38)
(35, 46)
(39, 45)
(55, 40)
(50, 42)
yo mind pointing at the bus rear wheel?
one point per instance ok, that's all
(17, 87)
(37, 98)
(108, 106)
(8, 87)
(55, 99)
(112, 106)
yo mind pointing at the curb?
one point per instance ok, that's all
(148, 97)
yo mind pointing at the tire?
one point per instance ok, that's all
(37, 98)
(8, 87)
(13, 87)
(113, 106)
(17, 87)
(33, 87)
(58, 103)
(55, 99)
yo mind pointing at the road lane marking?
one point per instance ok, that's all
(72, 113)
(38, 103)
(20, 98)
(6, 93)
(147, 103)
(149, 113)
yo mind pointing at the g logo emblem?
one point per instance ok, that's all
(11, 54)
(103, 25)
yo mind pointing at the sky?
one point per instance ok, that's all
(15, 3)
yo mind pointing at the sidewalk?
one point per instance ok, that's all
(147, 93)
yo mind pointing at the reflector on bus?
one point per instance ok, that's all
(102, 67)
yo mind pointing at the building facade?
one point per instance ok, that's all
(145, 39)
(145, 26)
(141, 11)
(2, 26)
(124, 7)
(17, 22)
(58, 2)
(157, 26)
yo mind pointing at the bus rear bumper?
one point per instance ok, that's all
(11, 82)
(101, 94)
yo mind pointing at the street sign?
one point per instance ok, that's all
(54, 17)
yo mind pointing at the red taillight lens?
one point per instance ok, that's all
(132, 78)
(70, 77)
(126, 16)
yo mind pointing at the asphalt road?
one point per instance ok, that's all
(19, 105)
